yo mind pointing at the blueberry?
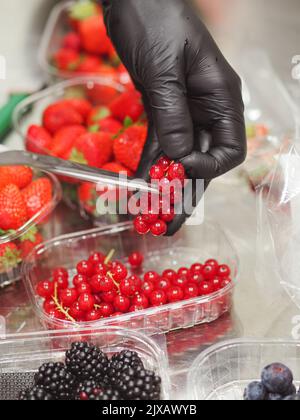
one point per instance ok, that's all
(277, 379)
(275, 397)
(255, 392)
(291, 391)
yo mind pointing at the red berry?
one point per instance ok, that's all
(206, 288)
(137, 281)
(170, 274)
(56, 314)
(49, 305)
(78, 279)
(216, 282)
(106, 309)
(127, 287)
(59, 273)
(140, 226)
(191, 291)
(45, 289)
(68, 297)
(196, 268)
(158, 298)
(176, 171)
(175, 294)
(168, 216)
(225, 282)
(147, 288)
(183, 272)
(109, 297)
(141, 301)
(159, 228)
(224, 271)
(195, 278)
(119, 272)
(86, 302)
(101, 284)
(212, 262)
(61, 282)
(121, 303)
(134, 308)
(76, 312)
(100, 269)
(180, 281)
(85, 268)
(157, 172)
(150, 217)
(93, 315)
(97, 258)
(83, 288)
(151, 276)
(209, 272)
(163, 284)
(136, 259)
(164, 162)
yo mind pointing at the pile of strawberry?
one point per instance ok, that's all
(102, 288)
(86, 48)
(21, 198)
(154, 218)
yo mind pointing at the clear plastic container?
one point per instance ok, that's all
(160, 254)
(40, 221)
(224, 370)
(22, 355)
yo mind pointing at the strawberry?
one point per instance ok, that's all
(72, 41)
(21, 176)
(66, 59)
(128, 147)
(38, 140)
(5, 177)
(104, 94)
(37, 196)
(64, 140)
(81, 105)
(93, 149)
(13, 212)
(117, 168)
(87, 196)
(93, 35)
(29, 241)
(9, 256)
(97, 114)
(127, 105)
(89, 64)
(60, 115)
(110, 125)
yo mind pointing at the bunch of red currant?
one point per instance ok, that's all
(154, 218)
(102, 288)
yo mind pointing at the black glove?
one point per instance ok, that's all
(192, 95)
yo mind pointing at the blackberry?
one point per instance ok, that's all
(109, 394)
(92, 391)
(55, 379)
(118, 364)
(139, 384)
(86, 361)
(36, 393)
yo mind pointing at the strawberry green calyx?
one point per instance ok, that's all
(10, 256)
(30, 235)
(78, 157)
(84, 10)
(94, 128)
(128, 122)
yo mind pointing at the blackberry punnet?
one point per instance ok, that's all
(36, 393)
(139, 384)
(55, 379)
(86, 361)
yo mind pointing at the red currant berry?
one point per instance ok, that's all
(209, 272)
(56, 314)
(106, 309)
(163, 284)
(157, 172)
(140, 226)
(147, 288)
(134, 308)
(127, 288)
(97, 258)
(85, 268)
(170, 274)
(191, 291)
(119, 273)
(60, 272)
(206, 288)
(61, 282)
(100, 269)
(93, 315)
(168, 217)
(141, 301)
(49, 305)
(151, 276)
(175, 294)
(224, 271)
(216, 282)
(137, 282)
(121, 303)
(86, 302)
(45, 289)
(183, 272)
(225, 282)
(212, 262)
(84, 288)
(196, 269)
(159, 228)
(76, 312)
(180, 281)
(150, 217)
(164, 162)
(101, 284)
(68, 296)
(195, 278)
(78, 279)
(176, 171)
(136, 259)
(109, 297)
(158, 298)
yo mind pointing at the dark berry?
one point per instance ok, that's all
(277, 379)
(275, 397)
(36, 394)
(88, 390)
(255, 392)
(139, 384)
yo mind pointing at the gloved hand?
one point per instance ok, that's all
(192, 95)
